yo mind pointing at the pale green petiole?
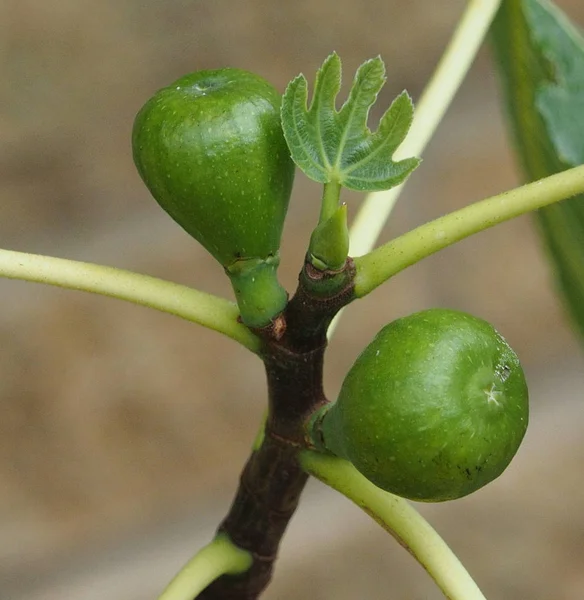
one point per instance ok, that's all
(382, 263)
(400, 519)
(220, 557)
(185, 302)
(434, 102)
(330, 200)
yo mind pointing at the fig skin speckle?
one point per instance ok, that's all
(433, 409)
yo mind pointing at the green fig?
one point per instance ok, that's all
(433, 409)
(210, 148)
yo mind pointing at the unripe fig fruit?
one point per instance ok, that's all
(210, 148)
(433, 409)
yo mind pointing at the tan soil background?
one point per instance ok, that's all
(122, 431)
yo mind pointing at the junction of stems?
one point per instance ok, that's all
(272, 480)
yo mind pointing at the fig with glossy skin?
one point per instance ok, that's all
(210, 148)
(433, 409)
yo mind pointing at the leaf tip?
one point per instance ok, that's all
(298, 82)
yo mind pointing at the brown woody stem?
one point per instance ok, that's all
(272, 480)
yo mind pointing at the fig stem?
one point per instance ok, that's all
(179, 300)
(260, 297)
(400, 519)
(219, 557)
(378, 266)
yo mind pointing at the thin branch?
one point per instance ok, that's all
(400, 519)
(434, 102)
(378, 266)
(220, 557)
(185, 302)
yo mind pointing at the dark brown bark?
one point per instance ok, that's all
(272, 481)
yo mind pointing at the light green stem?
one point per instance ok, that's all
(330, 200)
(400, 519)
(220, 557)
(185, 302)
(434, 102)
(387, 260)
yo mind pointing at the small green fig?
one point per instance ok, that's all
(433, 409)
(210, 148)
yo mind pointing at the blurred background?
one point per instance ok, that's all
(123, 431)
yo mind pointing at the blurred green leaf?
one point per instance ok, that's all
(540, 57)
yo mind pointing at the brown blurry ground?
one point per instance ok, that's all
(122, 431)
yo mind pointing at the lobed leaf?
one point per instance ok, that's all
(338, 146)
(541, 62)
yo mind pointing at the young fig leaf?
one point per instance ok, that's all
(338, 146)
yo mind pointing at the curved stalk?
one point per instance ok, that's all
(400, 519)
(185, 302)
(219, 557)
(434, 102)
(378, 266)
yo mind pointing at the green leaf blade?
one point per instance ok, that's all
(353, 116)
(300, 131)
(338, 146)
(541, 62)
(558, 40)
(372, 161)
(372, 179)
(322, 113)
(560, 109)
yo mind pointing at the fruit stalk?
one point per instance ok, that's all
(400, 519)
